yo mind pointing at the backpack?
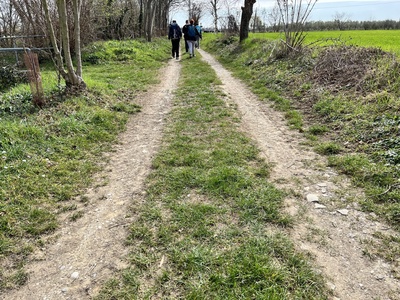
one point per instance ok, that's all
(175, 34)
(191, 31)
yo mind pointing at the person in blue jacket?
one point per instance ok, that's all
(192, 33)
(175, 34)
(198, 35)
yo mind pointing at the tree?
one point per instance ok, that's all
(247, 11)
(232, 25)
(9, 20)
(195, 9)
(274, 18)
(197, 12)
(257, 23)
(215, 6)
(155, 16)
(341, 19)
(32, 22)
(221, 12)
(72, 77)
(149, 11)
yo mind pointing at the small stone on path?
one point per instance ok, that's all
(312, 198)
(319, 206)
(75, 275)
(343, 212)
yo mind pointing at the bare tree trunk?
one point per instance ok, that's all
(72, 79)
(141, 18)
(77, 4)
(53, 40)
(214, 13)
(62, 12)
(149, 17)
(247, 11)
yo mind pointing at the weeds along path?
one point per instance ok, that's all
(328, 224)
(87, 251)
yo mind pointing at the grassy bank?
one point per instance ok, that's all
(208, 228)
(48, 156)
(346, 101)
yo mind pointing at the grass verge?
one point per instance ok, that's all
(206, 229)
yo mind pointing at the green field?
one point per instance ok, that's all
(387, 40)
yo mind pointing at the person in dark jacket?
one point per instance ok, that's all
(175, 34)
(185, 34)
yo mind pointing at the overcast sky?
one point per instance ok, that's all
(324, 10)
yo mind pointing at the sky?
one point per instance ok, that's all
(324, 10)
(356, 10)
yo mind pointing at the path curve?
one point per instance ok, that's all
(332, 237)
(88, 251)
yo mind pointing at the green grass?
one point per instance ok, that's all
(387, 40)
(210, 213)
(48, 156)
(328, 148)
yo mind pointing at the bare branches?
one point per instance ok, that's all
(294, 14)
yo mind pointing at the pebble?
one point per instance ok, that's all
(319, 206)
(75, 275)
(331, 286)
(343, 212)
(380, 277)
(312, 198)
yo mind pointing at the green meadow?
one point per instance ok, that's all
(387, 40)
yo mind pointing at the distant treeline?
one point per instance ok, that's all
(340, 25)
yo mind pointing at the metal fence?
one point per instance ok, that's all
(16, 48)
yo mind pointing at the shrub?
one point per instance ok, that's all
(9, 77)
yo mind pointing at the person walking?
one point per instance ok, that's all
(175, 34)
(198, 36)
(185, 34)
(192, 32)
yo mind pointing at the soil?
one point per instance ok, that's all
(327, 224)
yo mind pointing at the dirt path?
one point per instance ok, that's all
(326, 225)
(87, 251)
